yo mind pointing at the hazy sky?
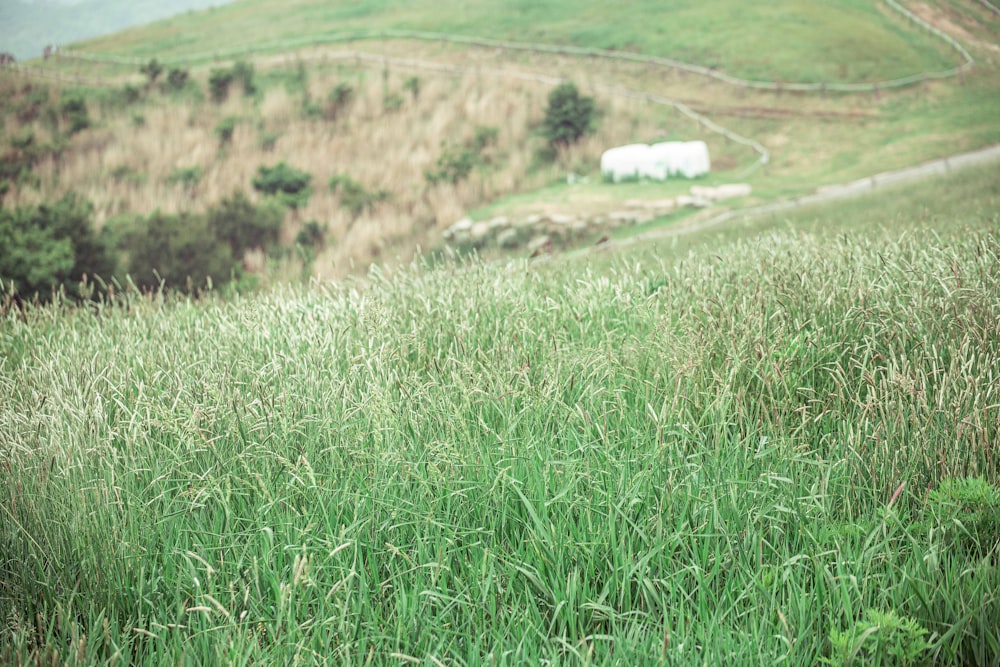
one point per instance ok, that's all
(26, 26)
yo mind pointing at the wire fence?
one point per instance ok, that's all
(989, 5)
(52, 74)
(777, 86)
(356, 36)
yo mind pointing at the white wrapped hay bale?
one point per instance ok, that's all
(687, 159)
(670, 159)
(626, 163)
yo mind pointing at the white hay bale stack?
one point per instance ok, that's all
(626, 163)
(681, 158)
(668, 159)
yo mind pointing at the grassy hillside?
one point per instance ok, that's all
(26, 28)
(851, 40)
(772, 447)
(415, 103)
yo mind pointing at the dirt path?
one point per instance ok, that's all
(826, 194)
(940, 19)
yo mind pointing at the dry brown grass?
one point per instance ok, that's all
(381, 149)
(392, 150)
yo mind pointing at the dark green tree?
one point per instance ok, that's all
(242, 226)
(569, 115)
(177, 79)
(244, 73)
(218, 84)
(181, 250)
(74, 110)
(152, 70)
(49, 245)
(287, 184)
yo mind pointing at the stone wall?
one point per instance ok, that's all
(538, 233)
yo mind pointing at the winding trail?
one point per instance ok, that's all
(826, 194)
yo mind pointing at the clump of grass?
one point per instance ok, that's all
(354, 196)
(187, 177)
(880, 638)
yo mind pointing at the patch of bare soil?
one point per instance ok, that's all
(948, 23)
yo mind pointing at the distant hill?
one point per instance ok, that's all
(26, 27)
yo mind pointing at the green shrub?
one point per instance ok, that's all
(20, 157)
(311, 235)
(484, 137)
(130, 94)
(177, 79)
(243, 72)
(965, 514)
(45, 246)
(311, 109)
(32, 102)
(224, 130)
(178, 251)
(454, 164)
(242, 226)
(392, 102)
(124, 173)
(187, 177)
(412, 85)
(457, 161)
(298, 81)
(338, 100)
(880, 638)
(74, 110)
(219, 81)
(353, 196)
(569, 115)
(152, 70)
(286, 183)
(268, 140)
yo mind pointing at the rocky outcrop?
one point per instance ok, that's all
(721, 192)
(538, 233)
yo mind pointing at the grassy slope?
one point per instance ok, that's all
(682, 452)
(25, 29)
(792, 40)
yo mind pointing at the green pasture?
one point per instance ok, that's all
(773, 444)
(791, 40)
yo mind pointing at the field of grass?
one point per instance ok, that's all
(846, 40)
(774, 444)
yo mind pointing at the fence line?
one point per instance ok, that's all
(990, 5)
(832, 86)
(776, 86)
(57, 75)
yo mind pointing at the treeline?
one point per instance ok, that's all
(50, 248)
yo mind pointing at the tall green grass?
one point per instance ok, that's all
(756, 450)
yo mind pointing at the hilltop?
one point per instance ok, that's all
(27, 27)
